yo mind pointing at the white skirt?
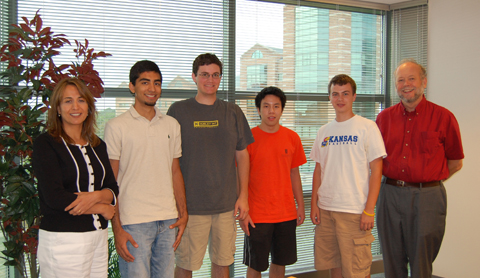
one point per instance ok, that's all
(72, 255)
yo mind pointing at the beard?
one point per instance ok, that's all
(418, 94)
(150, 103)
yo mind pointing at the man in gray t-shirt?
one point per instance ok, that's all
(215, 134)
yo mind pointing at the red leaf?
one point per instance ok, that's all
(25, 19)
(39, 24)
(26, 28)
(45, 31)
(63, 67)
(34, 19)
(90, 51)
(87, 79)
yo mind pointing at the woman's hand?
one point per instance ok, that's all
(84, 202)
(106, 210)
(109, 211)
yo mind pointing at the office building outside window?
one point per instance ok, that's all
(296, 47)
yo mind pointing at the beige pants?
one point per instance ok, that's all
(218, 231)
(339, 242)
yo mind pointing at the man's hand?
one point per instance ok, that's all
(181, 224)
(366, 222)
(84, 202)
(300, 216)
(316, 182)
(244, 224)
(121, 239)
(243, 169)
(315, 214)
(180, 200)
(241, 208)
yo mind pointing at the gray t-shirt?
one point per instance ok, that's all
(210, 136)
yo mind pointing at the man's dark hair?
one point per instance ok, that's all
(206, 59)
(342, 79)
(270, 91)
(141, 67)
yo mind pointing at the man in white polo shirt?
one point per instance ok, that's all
(144, 147)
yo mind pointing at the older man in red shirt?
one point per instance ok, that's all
(424, 149)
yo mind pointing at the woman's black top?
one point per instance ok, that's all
(63, 169)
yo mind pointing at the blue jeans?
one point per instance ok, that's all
(154, 256)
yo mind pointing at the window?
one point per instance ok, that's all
(408, 32)
(4, 22)
(297, 47)
(256, 77)
(257, 54)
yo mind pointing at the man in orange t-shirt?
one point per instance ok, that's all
(274, 186)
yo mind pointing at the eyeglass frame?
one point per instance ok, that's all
(206, 75)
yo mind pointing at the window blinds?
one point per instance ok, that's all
(295, 45)
(409, 39)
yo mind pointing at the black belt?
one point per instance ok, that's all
(411, 184)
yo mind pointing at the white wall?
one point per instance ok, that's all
(454, 82)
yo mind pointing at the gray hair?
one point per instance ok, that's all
(411, 60)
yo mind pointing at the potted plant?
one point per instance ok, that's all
(25, 86)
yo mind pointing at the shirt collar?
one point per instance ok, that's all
(135, 114)
(419, 109)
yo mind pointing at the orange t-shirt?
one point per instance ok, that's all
(272, 156)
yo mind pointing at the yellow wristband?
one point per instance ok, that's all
(369, 214)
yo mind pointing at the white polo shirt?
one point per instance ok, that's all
(146, 150)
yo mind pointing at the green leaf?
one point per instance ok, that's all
(27, 52)
(10, 263)
(3, 167)
(38, 66)
(13, 202)
(15, 179)
(29, 187)
(12, 189)
(18, 78)
(9, 246)
(36, 84)
(25, 94)
(22, 138)
(21, 209)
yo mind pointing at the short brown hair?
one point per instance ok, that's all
(342, 79)
(54, 122)
(206, 59)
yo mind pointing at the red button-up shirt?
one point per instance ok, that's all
(419, 143)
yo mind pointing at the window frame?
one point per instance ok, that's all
(229, 92)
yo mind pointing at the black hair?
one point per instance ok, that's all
(141, 67)
(270, 91)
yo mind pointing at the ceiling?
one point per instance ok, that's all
(376, 4)
(387, 2)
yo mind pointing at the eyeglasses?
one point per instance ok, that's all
(206, 75)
